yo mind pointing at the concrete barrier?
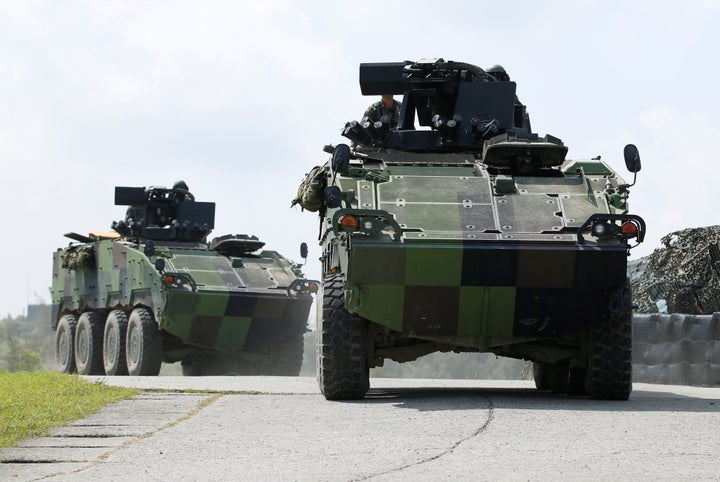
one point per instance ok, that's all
(676, 349)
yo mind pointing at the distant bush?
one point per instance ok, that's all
(27, 343)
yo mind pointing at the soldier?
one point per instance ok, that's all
(181, 191)
(497, 72)
(386, 106)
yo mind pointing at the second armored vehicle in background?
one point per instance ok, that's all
(153, 289)
(461, 230)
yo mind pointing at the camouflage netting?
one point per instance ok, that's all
(79, 257)
(683, 276)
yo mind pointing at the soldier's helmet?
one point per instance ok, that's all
(181, 185)
(498, 72)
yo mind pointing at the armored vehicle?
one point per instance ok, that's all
(154, 290)
(461, 230)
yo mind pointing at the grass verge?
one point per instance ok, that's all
(33, 403)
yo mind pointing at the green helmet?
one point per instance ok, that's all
(498, 72)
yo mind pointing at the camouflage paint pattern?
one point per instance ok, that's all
(227, 296)
(482, 261)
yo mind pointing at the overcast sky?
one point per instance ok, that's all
(238, 99)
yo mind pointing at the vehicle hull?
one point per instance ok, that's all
(221, 313)
(481, 295)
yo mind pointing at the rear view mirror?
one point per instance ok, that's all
(333, 197)
(341, 159)
(632, 158)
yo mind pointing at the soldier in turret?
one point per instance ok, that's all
(388, 106)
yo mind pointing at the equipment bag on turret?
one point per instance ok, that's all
(310, 192)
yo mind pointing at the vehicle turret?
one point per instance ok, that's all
(159, 213)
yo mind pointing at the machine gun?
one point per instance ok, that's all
(159, 213)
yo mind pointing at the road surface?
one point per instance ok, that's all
(276, 428)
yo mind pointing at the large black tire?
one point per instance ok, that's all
(287, 360)
(576, 381)
(609, 375)
(343, 372)
(88, 344)
(144, 344)
(540, 376)
(114, 358)
(551, 376)
(65, 344)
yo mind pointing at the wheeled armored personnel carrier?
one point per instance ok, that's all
(461, 230)
(154, 290)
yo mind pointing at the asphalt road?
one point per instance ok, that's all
(264, 428)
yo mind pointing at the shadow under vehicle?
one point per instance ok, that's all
(153, 290)
(461, 230)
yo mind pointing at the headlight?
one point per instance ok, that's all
(366, 222)
(613, 228)
(602, 229)
(179, 280)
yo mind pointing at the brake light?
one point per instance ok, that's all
(629, 229)
(349, 221)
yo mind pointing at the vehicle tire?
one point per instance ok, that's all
(114, 358)
(609, 375)
(88, 344)
(65, 344)
(541, 382)
(576, 381)
(143, 344)
(551, 376)
(287, 360)
(343, 372)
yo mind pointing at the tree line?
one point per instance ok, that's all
(27, 343)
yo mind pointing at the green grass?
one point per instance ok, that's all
(33, 403)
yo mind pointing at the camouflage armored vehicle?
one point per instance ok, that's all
(153, 289)
(463, 231)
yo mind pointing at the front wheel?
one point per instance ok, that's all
(65, 344)
(609, 375)
(343, 372)
(144, 344)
